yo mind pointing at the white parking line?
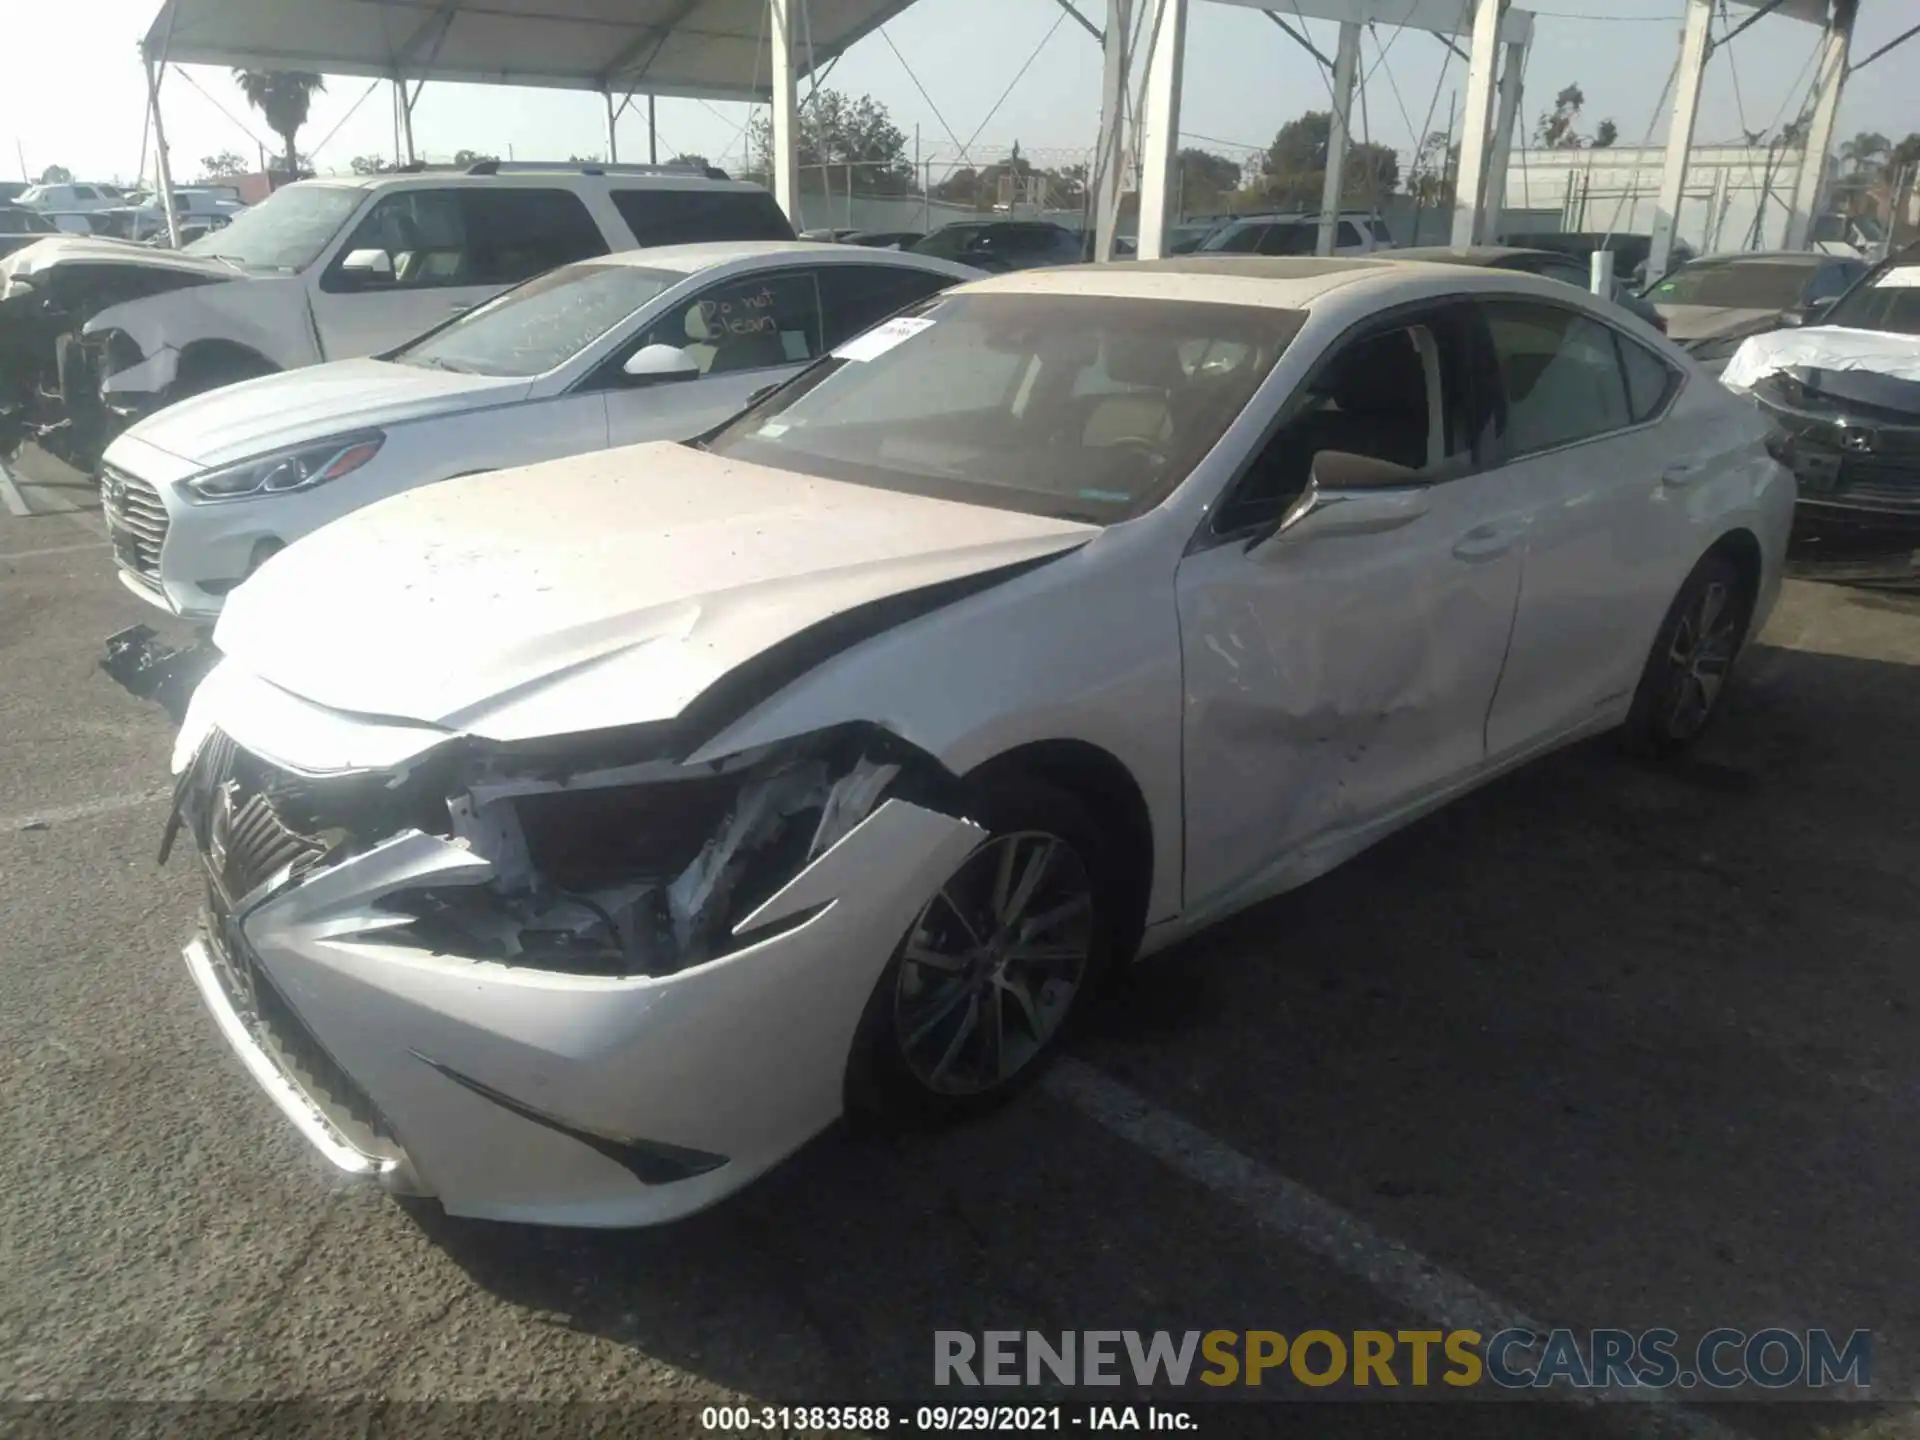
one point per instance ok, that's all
(52, 550)
(1289, 1209)
(85, 810)
(10, 495)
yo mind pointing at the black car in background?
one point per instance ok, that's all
(1630, 252)
(1713, 303)
(1002, 245)
(1852, 438)
(1547, 263)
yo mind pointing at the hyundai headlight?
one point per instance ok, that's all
(286, 470)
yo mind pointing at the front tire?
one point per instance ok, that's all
(994, 969)
(1686, 674)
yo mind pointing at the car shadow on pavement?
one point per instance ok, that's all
(1623, 1044)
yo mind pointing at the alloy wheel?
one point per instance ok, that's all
(992, 963)
(1702, 652)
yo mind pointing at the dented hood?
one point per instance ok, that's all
(238, 422)
(56, 250)
(603, 590)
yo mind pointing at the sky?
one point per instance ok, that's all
(72, 92)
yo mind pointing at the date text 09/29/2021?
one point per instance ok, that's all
(937, 1419)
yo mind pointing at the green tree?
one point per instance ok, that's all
(370, 164)
(464, 158)
(225, 165)
(1208, 182)
(1865, 151)
(56, 175)
(838, 131)
(1604, 134)
(1555, 131)
(691, 161)
(283, 97)
(1293, 171)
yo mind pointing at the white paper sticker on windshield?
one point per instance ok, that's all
(882, 338)
(1900, 277)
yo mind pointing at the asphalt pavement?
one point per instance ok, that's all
(1603, 1045)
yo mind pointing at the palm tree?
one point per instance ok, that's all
(283, 97)
(1863, 149)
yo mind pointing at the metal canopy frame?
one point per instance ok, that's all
(751, 50)
(1493, 100)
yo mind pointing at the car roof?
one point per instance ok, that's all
(1282, 282)
(1773, 257)
(706, 254)
(1472, 254)
(688, 180)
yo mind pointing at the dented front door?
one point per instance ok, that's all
(1338, 680)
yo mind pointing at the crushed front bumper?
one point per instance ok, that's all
(523, 1094)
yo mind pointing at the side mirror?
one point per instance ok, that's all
(1812, 312)
(366, 266)
(660, 363)
(1349, 495)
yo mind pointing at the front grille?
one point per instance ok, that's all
(1895, 481)
(241, 825)
(138, 520)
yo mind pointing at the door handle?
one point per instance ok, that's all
(1486, 542)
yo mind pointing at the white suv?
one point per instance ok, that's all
(69, 197)
(95, 334)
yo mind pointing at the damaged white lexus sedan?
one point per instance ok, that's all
(581, 839)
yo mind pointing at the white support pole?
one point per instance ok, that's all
(1109, 162)
(653, 131)
(613, 135)
(408, 155)
(785, 159)
(1829, 79)
(1686, 106)
(1507, 111)
(1716, 213)
(162, 166)
(1160, 124)
(1346, 60)
(1470, 181)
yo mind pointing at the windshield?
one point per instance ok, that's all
(285, 231)
(539, 325)
(1084, 407)
(1734, 284)
(1889, 300)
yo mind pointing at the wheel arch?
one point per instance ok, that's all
(211, 353)
(1104, 784)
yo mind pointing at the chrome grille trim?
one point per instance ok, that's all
(134, 510)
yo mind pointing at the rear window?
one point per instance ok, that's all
(1734, 284)
(684, 217)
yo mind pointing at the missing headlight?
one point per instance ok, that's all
(648, 871)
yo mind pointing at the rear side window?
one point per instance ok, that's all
(755, 322)
(1350, 234)
(683, 217)
(1290, 240)
(1560, 376)
(855, 298)
(1239, 240)
(1831, 280)
(513, 234)
(1650, 380)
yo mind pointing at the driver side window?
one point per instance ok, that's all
(421, 233)
(1393, 394)
(756, 322)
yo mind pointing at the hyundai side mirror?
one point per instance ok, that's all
(657, 363)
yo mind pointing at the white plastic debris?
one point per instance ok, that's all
(1830, 347)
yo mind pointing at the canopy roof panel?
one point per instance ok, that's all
(714, 49)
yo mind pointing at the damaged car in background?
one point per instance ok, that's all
(581, 839)
(97, 333)
(1844, 396)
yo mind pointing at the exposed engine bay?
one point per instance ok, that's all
(50, 373)
(637, 869)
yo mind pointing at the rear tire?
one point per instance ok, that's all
(995, 969)
(1686, 674)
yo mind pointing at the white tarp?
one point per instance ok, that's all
(1828, 346)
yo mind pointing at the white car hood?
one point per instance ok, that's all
(237, 422)
(1828, 347)
(94, 249)
(603, 590)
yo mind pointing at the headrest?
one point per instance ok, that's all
(696, 323)
(1145, 360)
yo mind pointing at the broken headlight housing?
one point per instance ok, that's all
(648, 869)
(285, 470)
